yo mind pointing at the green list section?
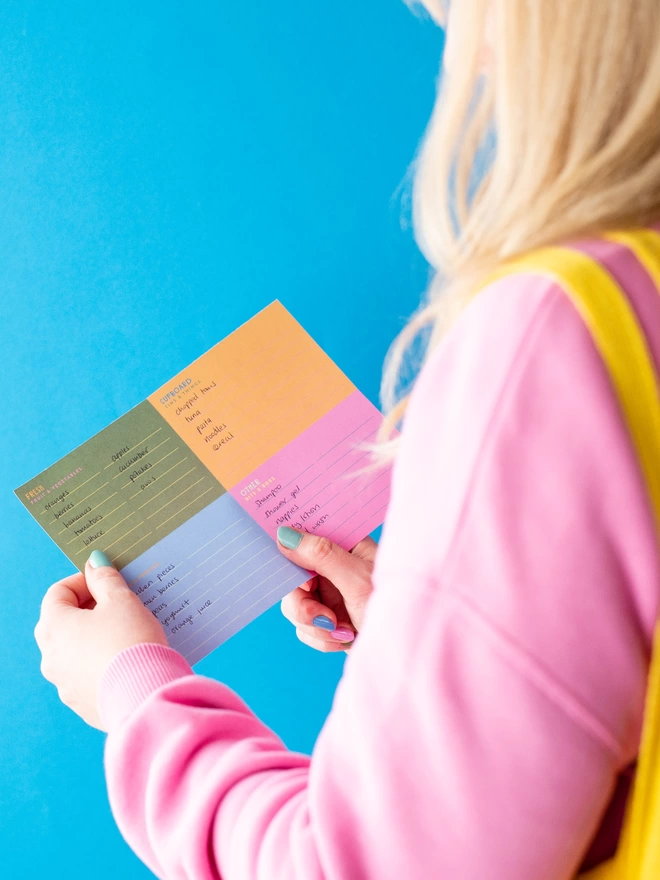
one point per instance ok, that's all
(122, 491)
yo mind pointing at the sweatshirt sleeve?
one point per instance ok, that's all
(494, 695)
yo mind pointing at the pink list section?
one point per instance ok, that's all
(314, 483)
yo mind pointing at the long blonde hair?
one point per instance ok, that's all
(573, 97)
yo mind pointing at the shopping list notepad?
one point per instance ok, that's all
(186, 491)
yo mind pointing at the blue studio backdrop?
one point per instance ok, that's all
(167, 169)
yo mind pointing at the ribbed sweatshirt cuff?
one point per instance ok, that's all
(133, 675)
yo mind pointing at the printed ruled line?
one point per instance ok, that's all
(153, 497)
(320, 474)
(201, 595)
(114, 510)
(135, 495)
(131, 448)
(102, 502)
(236, 521)
(301, 473)
(293, 480)
(380, 492)
(341, 473)
(254, 571)
(268, 426)
(371, 485)
(267, 398)
(188, 589)
(121, 537)
(366, 504)
(132, 545)
(343, 488)
(225, 609)
(167, 503)
(82, 501)
(83, 484)
(107, 515)
(350, 483)
(244, 376)
(199, 564)
(350, 467)
(336, 529)
(136, 463)
(76, 489)
(245, 562)
(225, 561)
(270, 592)
(189, 503)
(109, 530)
(241, 615)
(92, 509)
(229, 573)
(199, 549)
(230, 380)
(352, 448)
(261, 598)
(87, 497)
(313, 498)
(371, 418)
(327, 469)
(335, 512)
(282, 414)
(383, 473)
(184, 576)
(215, 634)
(371, 516)
(155, 464)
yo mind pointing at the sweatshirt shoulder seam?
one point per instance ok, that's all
(526, 664)
(535, 324)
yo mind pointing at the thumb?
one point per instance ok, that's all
(103, 579)
(345, 571)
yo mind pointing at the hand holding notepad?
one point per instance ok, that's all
(185, 492)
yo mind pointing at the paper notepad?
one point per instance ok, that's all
(185, 492)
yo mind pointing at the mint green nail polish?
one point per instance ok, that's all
(289, 538)
(98, 559)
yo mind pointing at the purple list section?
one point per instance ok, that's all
(314, 483)
(210, 577)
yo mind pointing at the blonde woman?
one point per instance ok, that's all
(490, 710)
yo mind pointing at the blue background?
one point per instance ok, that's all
(166, 170)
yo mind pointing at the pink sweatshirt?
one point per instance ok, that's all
(491, 708)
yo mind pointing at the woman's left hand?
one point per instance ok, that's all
(86, 620)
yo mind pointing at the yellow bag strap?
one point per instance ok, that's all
(618, 337)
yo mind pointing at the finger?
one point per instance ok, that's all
(310, 585)
(301, 609)
(326, 647)
(322, 556)
(70, 592)
(103, 580)
(328, 594)
(365, 549)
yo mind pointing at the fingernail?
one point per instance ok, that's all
(323, 622)
(98, 559)
(289, 537)
(343, 634)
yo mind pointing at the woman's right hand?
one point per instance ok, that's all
(327, 611)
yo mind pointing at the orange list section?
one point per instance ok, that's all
(251, 394)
